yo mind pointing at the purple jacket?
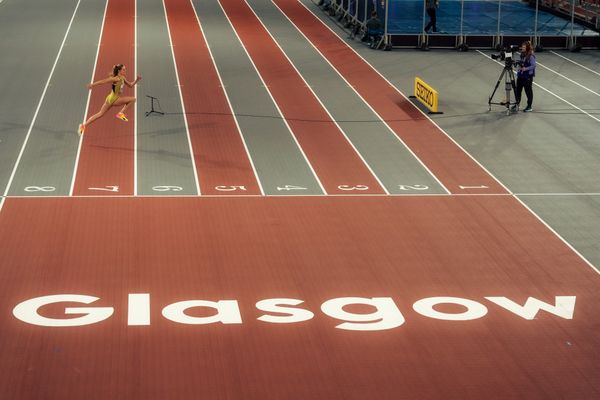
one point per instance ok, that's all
(528, 68)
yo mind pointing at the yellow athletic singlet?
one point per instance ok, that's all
(117, 89)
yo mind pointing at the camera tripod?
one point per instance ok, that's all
(509, 84)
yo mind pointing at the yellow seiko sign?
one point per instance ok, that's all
(426, 94)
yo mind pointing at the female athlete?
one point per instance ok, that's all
(117, 78)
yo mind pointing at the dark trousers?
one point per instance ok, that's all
(432, 20)
(527, 84)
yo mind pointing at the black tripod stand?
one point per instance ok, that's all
(509, 84)
(152, 110)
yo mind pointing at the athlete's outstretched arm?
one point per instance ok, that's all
(131, 84)
(103, 81)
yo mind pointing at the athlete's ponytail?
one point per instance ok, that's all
(116, 69)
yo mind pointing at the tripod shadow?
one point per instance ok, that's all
(407, 107)
(414, 116)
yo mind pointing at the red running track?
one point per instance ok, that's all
(334, 160)
(219, 152)
(250, 249)
(107, 151)
(446, 160)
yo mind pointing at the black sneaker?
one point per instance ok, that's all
(528, 109)
(514, 108)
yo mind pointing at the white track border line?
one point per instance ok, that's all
(87, 104)
(187, 129)
(597, 271)
(320, 102)
(576, 63)
(135, 94)
(16, 166)
(567, 78)
(364, 101)
(273, 100)
(543, 88)
(2, 198)
(402, 94)
(224, 196)
(559, 194)
(228, 102)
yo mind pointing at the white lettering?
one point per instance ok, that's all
(27, 311)
(474, 309)
(274, 305)
(381, 312)
(138, 309)
(564, 308)
(387, 316)
(228, 312)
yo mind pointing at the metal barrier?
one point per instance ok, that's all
(462, 24)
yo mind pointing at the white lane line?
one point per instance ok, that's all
(187, 129)
(228, 102)
(2, 198)
(543, 88)
(12, 175)
(570, 80)
(87, 104)
(135, 94)
(576, 63)
(559, 236)
(320, 102)
(397, 195)
(402, 94)
(274, 102)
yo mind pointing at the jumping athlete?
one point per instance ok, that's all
(117, 78)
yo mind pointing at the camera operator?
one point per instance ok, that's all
(525, 74)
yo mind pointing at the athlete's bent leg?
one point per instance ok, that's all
(103, 110)
(126, 101)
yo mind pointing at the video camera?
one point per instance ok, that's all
(508, 55)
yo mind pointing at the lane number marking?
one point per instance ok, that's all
(290, 187)
(40, 189)
(229, 188)
(107, 189)
(413, 187)
(167, 188)
(357, 187)
(473, 187)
